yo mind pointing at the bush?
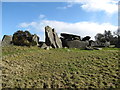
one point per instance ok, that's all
(22, 38)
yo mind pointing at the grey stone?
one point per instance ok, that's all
(76, 44)
(89, 48)
(7, 40)
(107, 44)
(47, 48)
(58, 41)
(42, 45)
(51, 38)
(35, 38)
(92, 48)
(66, 36)
(98, 48)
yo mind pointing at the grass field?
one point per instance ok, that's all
(24, 67)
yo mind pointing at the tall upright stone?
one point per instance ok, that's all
(51, 38)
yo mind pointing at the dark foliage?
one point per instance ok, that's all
(22, 38)
(108, 37)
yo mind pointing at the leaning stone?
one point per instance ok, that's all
(58, 41)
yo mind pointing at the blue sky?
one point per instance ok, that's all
(81, 18)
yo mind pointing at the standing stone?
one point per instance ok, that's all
(35, 38)
(58, 41)
(7, 40)
(51, 38)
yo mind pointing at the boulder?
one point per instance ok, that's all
(66, 36)
(51, 38)
(47, 48)
(7, 40)
(97, 48)
(89, 48)
(107, 44)
(42, 45)
(76, 44)
(94, 43)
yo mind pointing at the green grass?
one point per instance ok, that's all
(25, 67)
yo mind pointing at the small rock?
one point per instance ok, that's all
(98, 48)
(47, 48)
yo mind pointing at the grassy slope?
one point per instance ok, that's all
(26, 67)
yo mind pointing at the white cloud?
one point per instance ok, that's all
(79, 28)
(108, 6)
(65, 7)
(41, 16)
(28, 24)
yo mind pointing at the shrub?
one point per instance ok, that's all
(22, 38)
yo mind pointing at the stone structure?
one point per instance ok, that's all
(7, 40)
(73, 41)
(66, 36)
(51, 38)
